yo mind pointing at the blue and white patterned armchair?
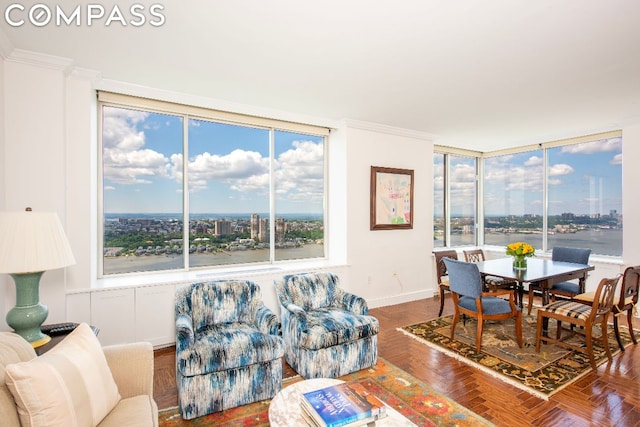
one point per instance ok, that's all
(228, 348)
(327, 332)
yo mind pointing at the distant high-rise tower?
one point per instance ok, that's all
(280, 229)
(255, 226)
(264, 230)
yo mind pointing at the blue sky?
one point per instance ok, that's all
(228, 166)
(583, 178)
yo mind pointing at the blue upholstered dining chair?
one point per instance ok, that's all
(228, 348)
(465, 283)
(327, 332)
(566, 289)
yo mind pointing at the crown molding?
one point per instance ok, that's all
(85, 74)
(390, 130)
(41, 60)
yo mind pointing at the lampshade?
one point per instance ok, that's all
(32, 242)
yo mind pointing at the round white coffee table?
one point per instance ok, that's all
(284, 409)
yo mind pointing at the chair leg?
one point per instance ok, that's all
(456, 315)
(539, 332)
(616, 329)
(519, 328)
(441, 302)
(605, 338)
(530, 301)
(588, 337)
(630, 322)
(479, 335)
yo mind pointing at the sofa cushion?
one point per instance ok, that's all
(311, 290)
(329, 327)
(225, 301)
(70, 385)
(227, 346)
(138, 411)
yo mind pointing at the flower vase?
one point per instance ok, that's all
(519, 263)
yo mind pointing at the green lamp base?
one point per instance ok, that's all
(28, 314)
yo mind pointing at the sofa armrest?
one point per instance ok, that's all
(132, 368)
(352, 303)
(266, 321)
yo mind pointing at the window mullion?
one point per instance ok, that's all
(185, 191)
(272, 201)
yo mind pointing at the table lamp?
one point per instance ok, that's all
(30, 244)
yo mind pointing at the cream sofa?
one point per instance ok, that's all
(131, 366)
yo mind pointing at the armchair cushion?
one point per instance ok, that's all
(70, 385)
(329, 327)
(226, 346)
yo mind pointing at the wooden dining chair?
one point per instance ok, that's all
(442, 275)
(566, 289)
(492, 283)
(582, 315)
(626, 303)
(465, 284)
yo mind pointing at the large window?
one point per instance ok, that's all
(513, 208)
(250, 191)
(439, 214)
(454, 200)
(584, 184)
(462, 196)
(563, 193)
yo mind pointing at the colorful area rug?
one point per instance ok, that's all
(408, 395)
(541, 374)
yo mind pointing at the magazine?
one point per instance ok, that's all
(346, 404)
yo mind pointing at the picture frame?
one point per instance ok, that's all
(391, 198)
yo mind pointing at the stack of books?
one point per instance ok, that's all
(346, 404)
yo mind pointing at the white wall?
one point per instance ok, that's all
(35, 162)
(389, 266)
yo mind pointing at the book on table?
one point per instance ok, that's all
(345, 404)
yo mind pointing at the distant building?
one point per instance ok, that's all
(255, 226)
(264, 230)
(222, 228)
(280, 230)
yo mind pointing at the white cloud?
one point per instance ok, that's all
(241, 170)
(533, 161)
(124, 158)
(560, 169)
(617, 159)
(299, 172)
(603, 145)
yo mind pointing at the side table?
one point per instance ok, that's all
(55, 339)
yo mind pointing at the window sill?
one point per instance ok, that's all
(168, 278)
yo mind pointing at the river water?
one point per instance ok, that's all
(131, 264)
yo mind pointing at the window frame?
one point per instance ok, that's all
(188, 112)
(480, 168)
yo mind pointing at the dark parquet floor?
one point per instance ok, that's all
(608, 397)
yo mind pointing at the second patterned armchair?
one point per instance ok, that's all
(228, 348)
(327, 332)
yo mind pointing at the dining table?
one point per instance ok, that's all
(542, 271)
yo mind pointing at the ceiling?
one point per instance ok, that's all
(476, 74)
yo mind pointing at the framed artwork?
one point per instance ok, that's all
(391, 198)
